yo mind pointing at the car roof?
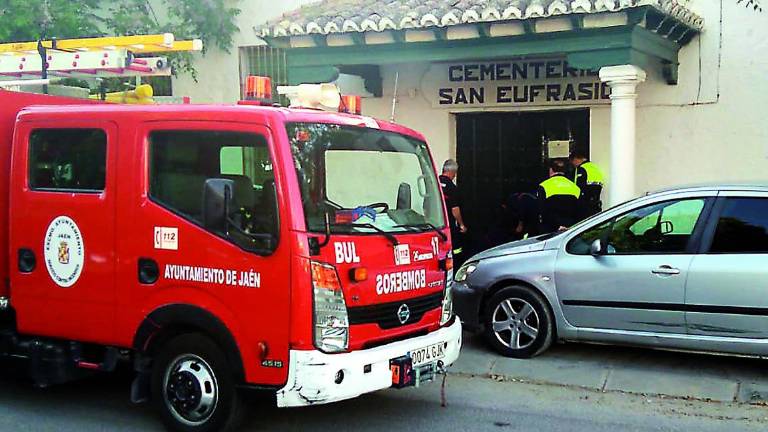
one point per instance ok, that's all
(713, 187)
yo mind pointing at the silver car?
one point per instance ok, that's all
(682, 269)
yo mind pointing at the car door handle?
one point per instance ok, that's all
(666, 270)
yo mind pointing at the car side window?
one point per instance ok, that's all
(182, 161)
(742, 227)
(659, 228)
(68, 160)
(582, 243)
(664, 227)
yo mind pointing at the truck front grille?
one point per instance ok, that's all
(387, 316)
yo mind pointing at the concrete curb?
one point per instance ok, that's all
(625, 370)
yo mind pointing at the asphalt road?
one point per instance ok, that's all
(474, 404)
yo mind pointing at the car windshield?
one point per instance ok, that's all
(364, 180)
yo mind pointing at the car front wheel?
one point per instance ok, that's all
(518, 322)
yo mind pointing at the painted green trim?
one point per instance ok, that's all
(312, 74)
(586, 49)
(559, 43)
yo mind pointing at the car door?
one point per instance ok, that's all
(637, 283)
(728, 282)
(62, 229)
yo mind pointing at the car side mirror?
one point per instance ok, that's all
(666, 227)
(218, 202)
(596, 248)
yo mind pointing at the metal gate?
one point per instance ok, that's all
(504, 153)
(264, 61)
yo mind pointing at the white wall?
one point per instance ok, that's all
(686, 133)
(218, 71)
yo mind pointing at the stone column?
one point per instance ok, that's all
(623, 81)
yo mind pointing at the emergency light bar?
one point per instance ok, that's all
(258, 88)
(351, 104)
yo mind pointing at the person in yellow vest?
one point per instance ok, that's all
(558, 199)
(590, 179)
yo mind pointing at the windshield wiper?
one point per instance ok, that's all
(426, 225)
(392, 239)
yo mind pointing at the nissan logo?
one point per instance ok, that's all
(403, 313)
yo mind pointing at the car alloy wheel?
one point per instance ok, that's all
(515, 323)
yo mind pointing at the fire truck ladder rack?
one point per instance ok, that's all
(91, 57)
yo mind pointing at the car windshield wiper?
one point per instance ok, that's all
(392, 239)
(426, 225)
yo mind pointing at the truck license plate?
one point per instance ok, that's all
(428, 354)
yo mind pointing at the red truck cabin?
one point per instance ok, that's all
(310, 249)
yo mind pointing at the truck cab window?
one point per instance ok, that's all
(67, 160)
(182, 161)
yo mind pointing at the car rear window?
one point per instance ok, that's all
(742, 227)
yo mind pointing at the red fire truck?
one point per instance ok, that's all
(221, 248)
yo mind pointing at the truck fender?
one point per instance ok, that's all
(169, 321)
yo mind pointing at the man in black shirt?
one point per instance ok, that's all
(453, 204)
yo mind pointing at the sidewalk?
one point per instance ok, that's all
(629, 370)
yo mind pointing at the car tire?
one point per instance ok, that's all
(517, 322)
(193, 389)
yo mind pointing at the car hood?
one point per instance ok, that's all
(517, 247)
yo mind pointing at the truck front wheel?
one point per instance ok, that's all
(192, 386)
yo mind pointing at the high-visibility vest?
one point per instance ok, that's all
(594, 174)
(560, 185)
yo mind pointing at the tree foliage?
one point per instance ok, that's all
(213, 21)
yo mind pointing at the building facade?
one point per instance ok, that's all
(657, 92)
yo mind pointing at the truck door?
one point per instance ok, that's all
(238, 273)
(62, 238)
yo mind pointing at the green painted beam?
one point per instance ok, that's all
(585, 49)
(560, 43)
(312, 74)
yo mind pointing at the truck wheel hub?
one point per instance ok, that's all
(191, 389)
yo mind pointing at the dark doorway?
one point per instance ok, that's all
(503, 153)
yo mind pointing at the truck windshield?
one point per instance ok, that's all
(364, 180)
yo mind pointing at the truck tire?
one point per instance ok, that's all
(518, 322)
(192, 386)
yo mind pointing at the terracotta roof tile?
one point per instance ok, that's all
(334, 16)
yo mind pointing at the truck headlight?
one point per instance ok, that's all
(447, 311)
(465, 270)
(331, 320)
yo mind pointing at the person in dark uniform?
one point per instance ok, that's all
(523, 215)
(453, 204)
(558, 199)
(590, 179)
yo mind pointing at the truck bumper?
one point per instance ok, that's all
(312, 374)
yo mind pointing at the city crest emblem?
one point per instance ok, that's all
(63, 253)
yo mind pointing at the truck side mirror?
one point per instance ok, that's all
(217, 203)
(404, 197)
(596, 248)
